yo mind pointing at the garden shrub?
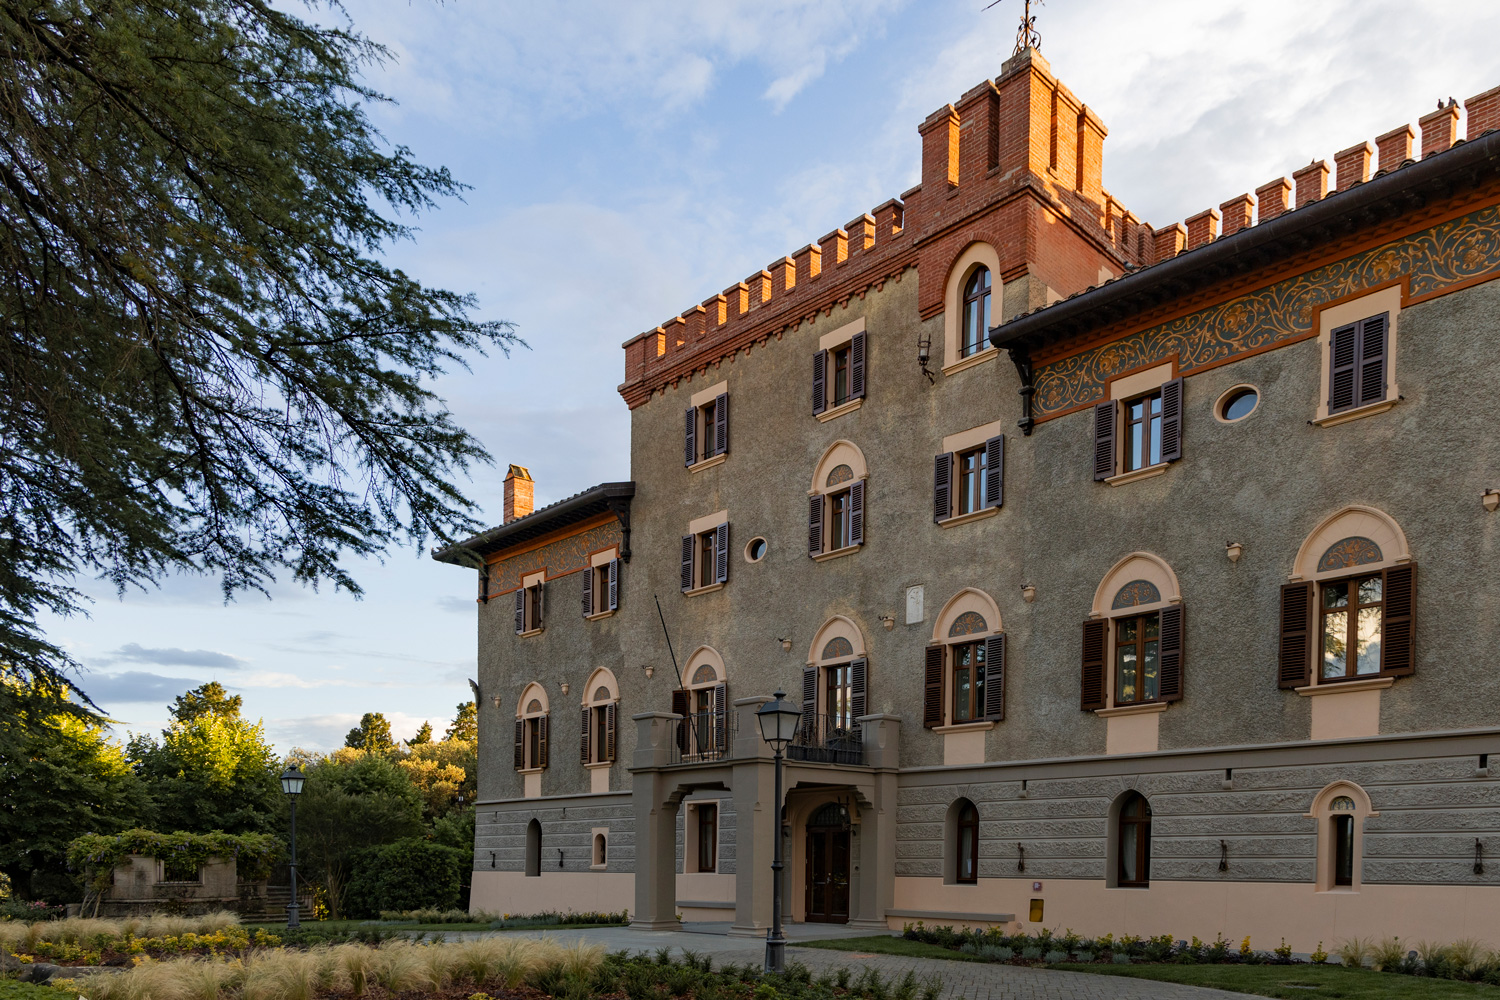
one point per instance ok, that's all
(409, 874)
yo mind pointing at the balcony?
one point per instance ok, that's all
(828, 739)
(703, 737)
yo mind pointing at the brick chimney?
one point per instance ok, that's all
(518, 493)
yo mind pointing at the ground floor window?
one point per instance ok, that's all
(708, 837)
(1135, 841)
(967, 847)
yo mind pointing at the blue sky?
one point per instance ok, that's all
(628, 159)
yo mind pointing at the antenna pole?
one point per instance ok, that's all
(667, 635)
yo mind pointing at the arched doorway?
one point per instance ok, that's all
(827, 867)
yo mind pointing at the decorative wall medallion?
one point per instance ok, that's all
(838, 646)
(1455, 251)
(705, 674)
(1342, 803)
(840, 474)
(968, 623)
(1135, 593)
(1351, 551)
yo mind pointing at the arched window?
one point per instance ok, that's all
(836, 502)
(601, 853)
(966, 844)
(1134, 841)
(1133, 645)
(1340, 811)
(599, 716)
(976, 315)
(704, 706)
(834, 692)
(531, 729)
(965, 664)
(534, 848)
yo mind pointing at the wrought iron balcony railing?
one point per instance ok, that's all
(828, 739)
(703, 736)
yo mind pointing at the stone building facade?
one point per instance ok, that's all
(1091, 550)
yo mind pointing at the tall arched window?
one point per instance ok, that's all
(966, 844)
(1134, 841)
(976, 306)
(534, 848)
(1340, 811)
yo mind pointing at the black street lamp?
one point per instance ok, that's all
(778, 720)
(291, 783)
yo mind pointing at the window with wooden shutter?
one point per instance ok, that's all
(857, 512)
(688, 542)
(932, 688)
(1398, 621)
(680, 707)
(520, 744)
(1171, 421)
(1343, 364)
(815, 524)
(690, 436)
(1372, 359)
(721, 553)
(614, 584)
(1104, 440)
(721, 717)
(588, 591)
(942, 486)
(1095, 650)
(1294, 661)
(994, 462)
(541, 724)
(538, 593)
(583, 738)
(994, 677)
(609, 725)
(858, 678)
(1169, 683)
(520, 610)
(721, 424)
(857, 366)
(820, 382)
(809, 703)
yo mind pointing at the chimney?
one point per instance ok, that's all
(1394, 147)
(518, 493)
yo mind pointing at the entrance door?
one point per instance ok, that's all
(827, 898)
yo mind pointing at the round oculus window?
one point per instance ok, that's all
(1238, 403)
(755, 550)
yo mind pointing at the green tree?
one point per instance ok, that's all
(209, 772)
(205, 364)
(423, 736)
(465, 724)
(203, 699)
(60, 776)
(352, 800)
(373, 734)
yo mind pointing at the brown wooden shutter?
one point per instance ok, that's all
(614, 584)
(609, 726)
(932, 687)
(588, 591)
(1343, 358)
(994, 471)
(1294, 664)
(1372, 355)
(815, 524)
(857, 512)
(688, 542)
(520, 744)
(858, 678)
(721, 552)
(857, 366)
(1104, 440)
(680, 707)
(583, 739)
(1398, 620)
(520, 610)
(538, 604)
(942, 487)
(484, 584)
(1171, 420)
(809, 702)
(542, 727)
(721, 718)
(1095, 644)
(721, 423)
(820, 382)
(994, 677)
(690, 436)
(1169, 677)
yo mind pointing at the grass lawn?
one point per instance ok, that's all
(1287, 981)
(402, 926)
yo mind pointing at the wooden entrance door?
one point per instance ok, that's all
(827, 898)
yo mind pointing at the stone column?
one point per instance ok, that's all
(877, 835)
(655, 824)
(753, 783)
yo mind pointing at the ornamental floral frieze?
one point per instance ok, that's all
(565, 555)
(1459, 250)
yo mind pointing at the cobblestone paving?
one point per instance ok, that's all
(967, 980)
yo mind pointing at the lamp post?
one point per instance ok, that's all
(778, 720)
(291, 783)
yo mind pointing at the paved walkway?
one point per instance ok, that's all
(969, 980)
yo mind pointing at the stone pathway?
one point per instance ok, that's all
(967, 980)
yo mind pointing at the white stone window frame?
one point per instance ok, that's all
(963, 742)
(698, 527)
(599, 849)
(1387, 298)
(827, 344)
(690, 842)
(1322, 813)
(974, 256)
(840, 452)
(600, 691)
(600, 595)
(538, 579)
(1132, 728)
(698, 401)
(531, 772)
(1127, 388)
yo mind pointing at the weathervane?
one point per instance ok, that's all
(1027, 37)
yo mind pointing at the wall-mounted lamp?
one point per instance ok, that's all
(1233, 550)
(1491, 500)
(1478, 856)
(1020, 856)
(648, 670)
(786, 645)
(924, 355)
(1223, 855)
(1028, 593)
(563, 687)
(492, 859)
(495, 700)
(889, 621)
(559, 857)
